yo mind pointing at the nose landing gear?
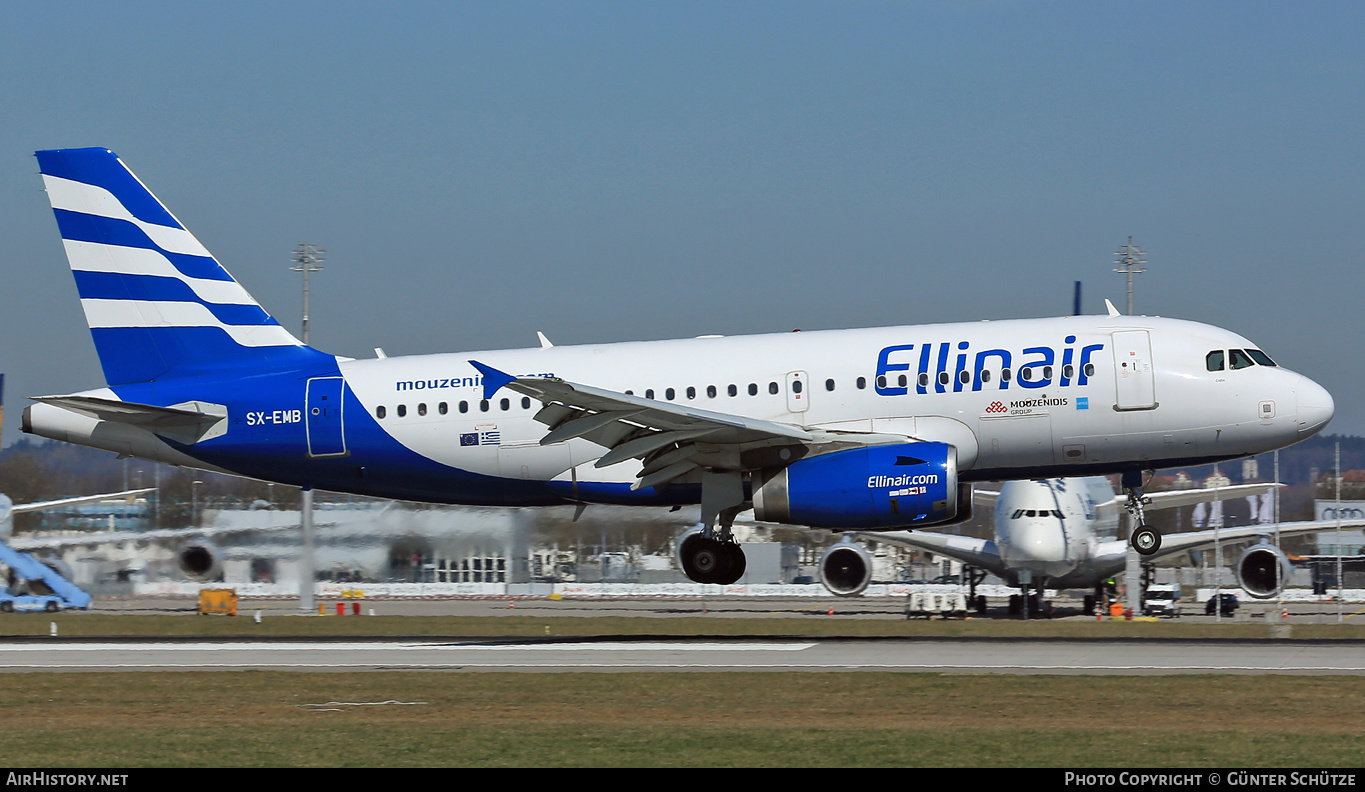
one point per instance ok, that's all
(1145, 539)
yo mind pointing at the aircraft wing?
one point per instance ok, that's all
(980, 553)
(22, 508)
(1115, 552)
(28, 543)
(985, 497)
(631, 427)
(1173, 498)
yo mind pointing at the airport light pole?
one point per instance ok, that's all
(306, 259)
(1130, 260)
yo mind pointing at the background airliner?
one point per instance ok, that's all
(1061, 534)
(872, 429)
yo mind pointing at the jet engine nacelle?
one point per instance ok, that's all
(879, 487)
(201, 560)
(1262, 571)
(846, 569)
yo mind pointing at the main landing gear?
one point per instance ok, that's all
(711, 555)
(1145, 539)
(712, 559)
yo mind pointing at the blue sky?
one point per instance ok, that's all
(623, 171)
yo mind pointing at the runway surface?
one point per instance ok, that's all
(1010, 656)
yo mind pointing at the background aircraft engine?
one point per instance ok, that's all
(846, 569)
(870, 488)
(1257, 569)
(201, 560)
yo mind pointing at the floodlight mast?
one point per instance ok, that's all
(1130, 260)
(306, 259)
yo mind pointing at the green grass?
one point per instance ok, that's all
(263, 718)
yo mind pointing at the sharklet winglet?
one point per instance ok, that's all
(493, 380)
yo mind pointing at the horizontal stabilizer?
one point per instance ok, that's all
(186, 423)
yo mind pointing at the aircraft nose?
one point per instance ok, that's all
(1315, 407)
(1042, 543)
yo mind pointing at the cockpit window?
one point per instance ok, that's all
(1260, 357)
(1237, 359)
(1214, 360)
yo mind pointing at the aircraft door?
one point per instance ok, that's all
(1135, 384)
(798, 392)
(323, 411)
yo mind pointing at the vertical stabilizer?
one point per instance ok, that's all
(157, 302)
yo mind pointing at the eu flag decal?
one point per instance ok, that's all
(470, 439)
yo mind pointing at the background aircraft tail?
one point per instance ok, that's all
(158, 304)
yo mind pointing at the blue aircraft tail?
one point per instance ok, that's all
(157, 302)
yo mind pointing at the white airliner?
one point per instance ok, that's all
(1061, 534)
(868, 429)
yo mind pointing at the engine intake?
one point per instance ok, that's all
(1262, 571)
(846, 569)
(201, 560)
(871, 488)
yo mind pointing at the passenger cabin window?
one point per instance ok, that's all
(772, 388)
(380, 412)
(649, 394)
(862, 383)
(796, 386)
(710, 391)
(464, 406)
(732, 390)
(525, 402)
(422, 408)
(402, 410)
(753, 389)
(669, 394)
(1213, 361)
(829, 384)
(691, 392)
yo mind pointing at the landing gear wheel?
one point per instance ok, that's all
(1146, 540)
(737, 563)
(704, 560)
(51, 607)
